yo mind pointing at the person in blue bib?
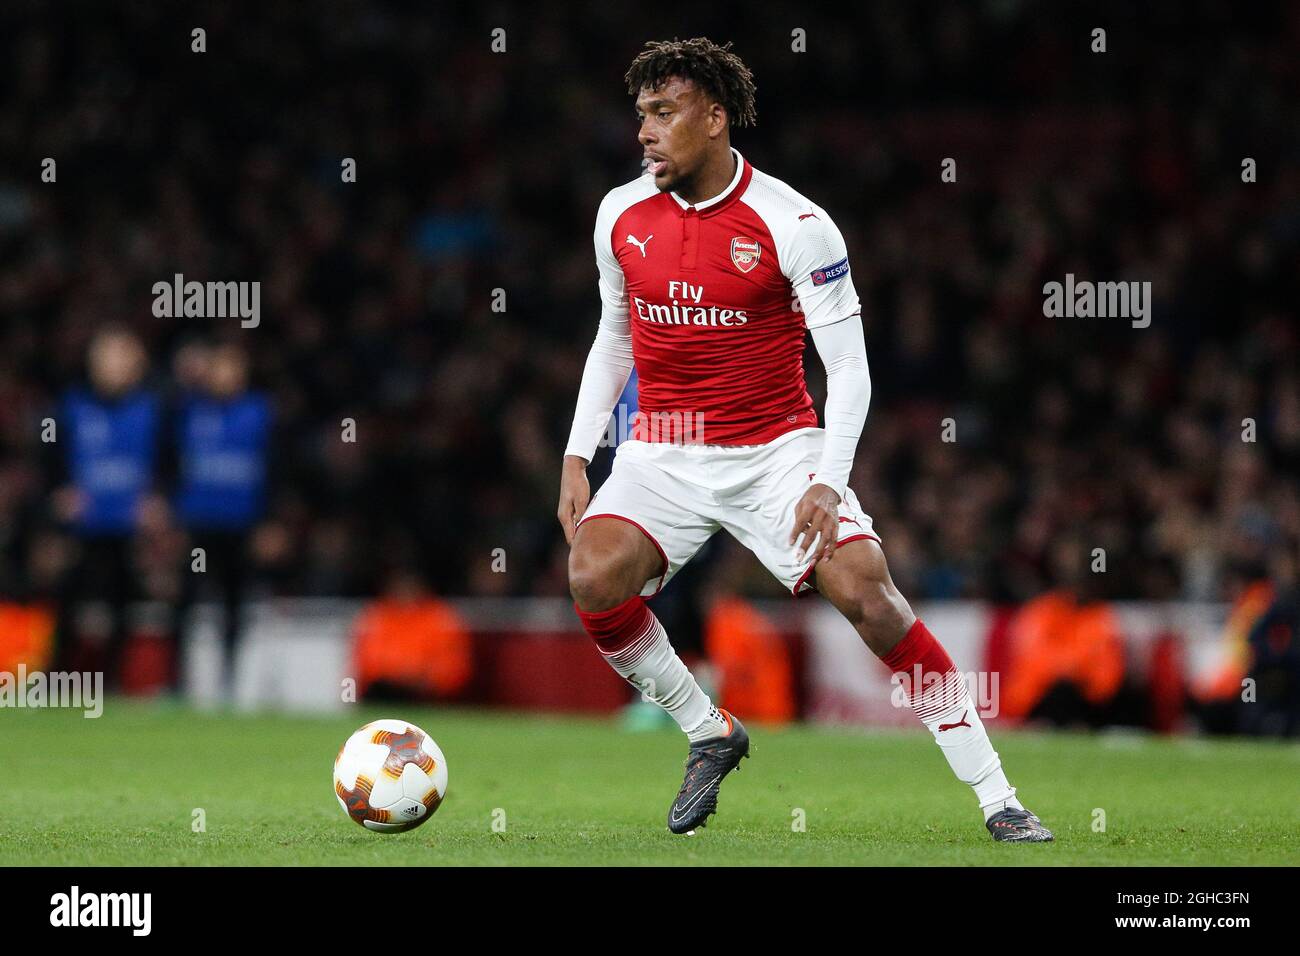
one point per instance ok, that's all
(108, 441)
(222, 432)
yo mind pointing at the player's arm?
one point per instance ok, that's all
(817, 265)
(609, 364)
(848, 394)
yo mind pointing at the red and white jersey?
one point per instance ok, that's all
(717, 296)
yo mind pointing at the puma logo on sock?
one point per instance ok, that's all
(960, 723)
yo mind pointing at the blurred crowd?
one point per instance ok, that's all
(1174, 448)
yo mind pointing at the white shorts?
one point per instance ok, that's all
(680, 495)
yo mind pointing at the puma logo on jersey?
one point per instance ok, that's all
(632, 240)
(960, 723)
(808, 215)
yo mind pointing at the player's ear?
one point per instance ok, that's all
(717, 120)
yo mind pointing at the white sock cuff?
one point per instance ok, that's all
(627, 657)
(941, 697)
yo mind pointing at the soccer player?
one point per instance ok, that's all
(710, 271)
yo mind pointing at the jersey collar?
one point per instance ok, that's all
(728, 195)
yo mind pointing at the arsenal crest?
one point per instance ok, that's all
(745, 252)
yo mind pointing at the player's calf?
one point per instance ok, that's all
(878, 612)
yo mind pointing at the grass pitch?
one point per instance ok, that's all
(122, 790)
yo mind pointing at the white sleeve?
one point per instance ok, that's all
(816, 262)
(609, 363)
(848, 393)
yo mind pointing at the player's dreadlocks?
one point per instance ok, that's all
(716, 70)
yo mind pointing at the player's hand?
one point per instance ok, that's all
(817, 517)
(575, 494)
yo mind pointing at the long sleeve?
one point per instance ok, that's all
(609, 363)
(816, 261)
(848, 393)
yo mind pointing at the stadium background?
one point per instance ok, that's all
(479, 171)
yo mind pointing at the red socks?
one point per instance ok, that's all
(940, 697)
(929, 677)
(615, 629)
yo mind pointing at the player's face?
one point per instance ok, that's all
(678, 125)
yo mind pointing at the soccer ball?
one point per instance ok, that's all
(390, 776)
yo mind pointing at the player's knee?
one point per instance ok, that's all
(598, 581)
